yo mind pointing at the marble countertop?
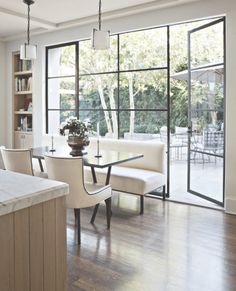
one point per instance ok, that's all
(18, 191)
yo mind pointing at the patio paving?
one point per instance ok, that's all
(206, 178)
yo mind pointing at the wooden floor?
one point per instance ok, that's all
(171, 247)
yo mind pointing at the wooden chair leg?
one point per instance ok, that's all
(141, 204)
(77, 215)
(94, 213)
(164, 193)
(108, 212)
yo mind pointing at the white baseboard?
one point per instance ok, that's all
(230, 206)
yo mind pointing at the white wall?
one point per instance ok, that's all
(2, 95)
(204, 8)
(230, 181)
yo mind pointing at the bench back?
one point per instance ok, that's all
(154, 152)
(58, 140)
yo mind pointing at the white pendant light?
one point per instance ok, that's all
(27, 50)
(100, 38)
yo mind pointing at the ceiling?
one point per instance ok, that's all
(58, 14)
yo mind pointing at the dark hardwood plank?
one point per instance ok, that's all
(171, 247)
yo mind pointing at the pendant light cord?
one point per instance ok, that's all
(99, 15)
(28, 26)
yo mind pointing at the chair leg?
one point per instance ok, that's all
(141, 204)
(108, 212)
(164, 193)
(94, 213)
(77, 215)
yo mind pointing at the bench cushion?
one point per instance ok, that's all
(131, 180)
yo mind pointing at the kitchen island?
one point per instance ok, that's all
(32, 233)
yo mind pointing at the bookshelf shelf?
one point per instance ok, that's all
(23, 93)
(23, 132)
(23, 73)
(23, 102)
(23, 112)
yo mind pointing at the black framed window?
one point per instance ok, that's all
(61, 91)
(125, 88)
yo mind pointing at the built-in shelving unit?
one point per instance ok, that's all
(22, 102)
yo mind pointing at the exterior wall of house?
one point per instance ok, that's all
(195, 10)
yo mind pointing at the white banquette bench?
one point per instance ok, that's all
(140, 176)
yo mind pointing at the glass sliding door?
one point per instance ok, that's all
(206, 111)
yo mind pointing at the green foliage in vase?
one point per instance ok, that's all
(76, 127)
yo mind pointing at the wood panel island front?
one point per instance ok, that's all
(32, 233)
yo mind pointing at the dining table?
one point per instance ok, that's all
(106, 158)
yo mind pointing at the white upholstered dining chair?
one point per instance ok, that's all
(20, 160)
(81, 195)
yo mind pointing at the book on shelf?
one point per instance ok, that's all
(23, 123)
(29, 84)
(24, 65)
(23, 84)
(16, 85)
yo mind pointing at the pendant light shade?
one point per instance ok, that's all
(100, 38)
(27, 50)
